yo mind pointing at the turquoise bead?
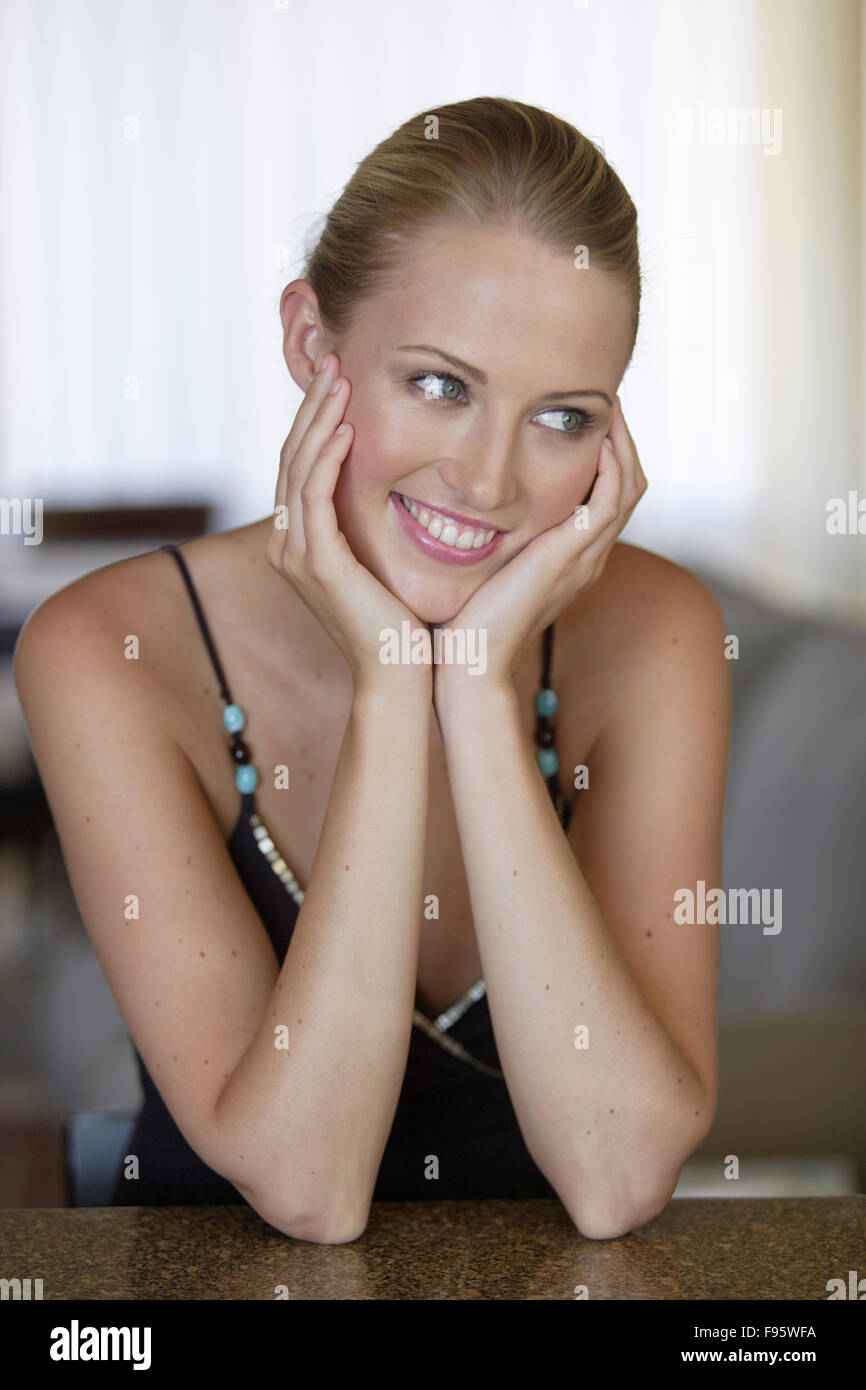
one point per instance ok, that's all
(234, 718)
(546, 703)
(548, 761)
(246, 778)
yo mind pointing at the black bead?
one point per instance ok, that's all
(239, 751)
(545, 737)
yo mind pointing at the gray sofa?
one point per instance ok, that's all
(792, 1006)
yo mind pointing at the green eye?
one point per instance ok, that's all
(573, 421)
(451, 388)
(450, 391)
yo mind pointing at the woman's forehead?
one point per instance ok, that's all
(493, 298)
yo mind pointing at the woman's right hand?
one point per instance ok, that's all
(307, 548)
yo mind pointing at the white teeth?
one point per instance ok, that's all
(444, 530)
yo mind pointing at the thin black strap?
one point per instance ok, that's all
(547, 660)
(205, 632)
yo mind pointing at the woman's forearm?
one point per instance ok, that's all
(312, 1120)
(606, 1123)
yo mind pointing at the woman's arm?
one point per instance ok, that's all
(299, 1131)
(320, 1114)
(573, 940)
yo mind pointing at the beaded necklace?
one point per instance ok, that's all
(247, 779)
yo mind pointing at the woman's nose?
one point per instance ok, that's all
(483, 473)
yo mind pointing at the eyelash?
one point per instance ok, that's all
(586, 419)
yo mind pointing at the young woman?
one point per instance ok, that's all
(474, 865)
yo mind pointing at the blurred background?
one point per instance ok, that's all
(165, 165)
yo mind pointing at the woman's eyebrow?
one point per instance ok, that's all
(480, 376)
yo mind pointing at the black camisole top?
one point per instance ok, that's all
(454, 1102)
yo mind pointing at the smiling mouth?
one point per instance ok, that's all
(446, 529)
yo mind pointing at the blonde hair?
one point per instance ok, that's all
(488, 162)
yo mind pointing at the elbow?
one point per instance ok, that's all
(326, 1226)
(323, 1210)
(335, 1219)
(616, 1214)
(625, 1201)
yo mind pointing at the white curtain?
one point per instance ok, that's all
(163, 163)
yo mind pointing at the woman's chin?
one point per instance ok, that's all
(430, 605)
(428, 611)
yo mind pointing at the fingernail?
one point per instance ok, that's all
(323, 363)
(336, 386)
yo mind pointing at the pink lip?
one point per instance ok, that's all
(435, 549)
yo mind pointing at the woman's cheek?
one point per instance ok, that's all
(386, 445)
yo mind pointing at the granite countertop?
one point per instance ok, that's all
(697, 1248)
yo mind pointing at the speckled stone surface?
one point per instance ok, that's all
(697, 1248)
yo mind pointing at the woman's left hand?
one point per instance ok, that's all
(520, 600)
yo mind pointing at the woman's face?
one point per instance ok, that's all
(509, 440)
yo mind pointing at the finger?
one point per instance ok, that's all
(320, 384)
(634, 483)
(604, 502)
(316, 392)
(635, 480)
(606, 535)
(317, 494)
(319, 432)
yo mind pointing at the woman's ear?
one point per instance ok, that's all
(303, 336)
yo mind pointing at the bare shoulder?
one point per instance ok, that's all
(69, 635)
(646, 621)
(640, 596)
(122, 643)
(128, 609)
(640, 589)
